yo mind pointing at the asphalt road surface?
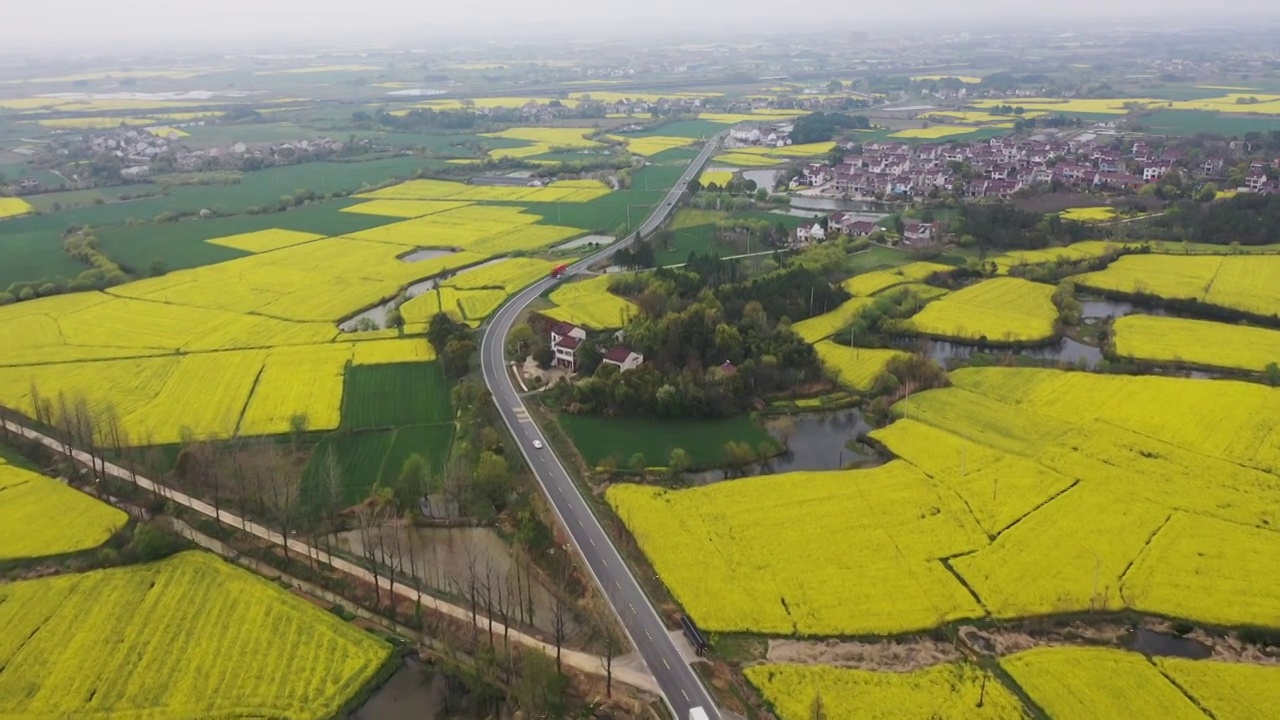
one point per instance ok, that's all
(680, 685)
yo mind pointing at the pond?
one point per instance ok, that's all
(805, 202)
(815, 441)
(592, 240)
(406, 696)
(425, 254)
(766, 179)
(444, 558)
(1067, 350)
(1150, 642)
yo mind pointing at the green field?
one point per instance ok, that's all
(389, 396)
(598, 438)
(365, 458)
(430, 441)
(182, 244)
(32, 249)
(1190, 122)
(876, 258)
(681, 128)
(26, 256)
(701, 238)
(606, 213)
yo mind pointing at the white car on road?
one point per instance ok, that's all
(537, 444)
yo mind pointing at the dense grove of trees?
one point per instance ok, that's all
(820, 126)
(695, 320)
(1001, 226)
(1248, 219)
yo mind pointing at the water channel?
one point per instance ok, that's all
(378, 313)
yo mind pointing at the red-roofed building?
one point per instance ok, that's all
(565, 340)
(624, 358)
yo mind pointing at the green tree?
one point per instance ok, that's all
(492, 481)
(1208, 192)
(1272, 372)
(298, 424)
(539, 689)
(456, 358)
(637, 462)
(588, 357)
(157, 267)
(411, 483)
(679, 460)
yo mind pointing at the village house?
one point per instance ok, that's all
(565, 341)
(915, 233)
(624, 358)
(808, 233)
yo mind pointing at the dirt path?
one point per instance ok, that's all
(582, 661)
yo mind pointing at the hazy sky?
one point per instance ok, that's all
(50, 23)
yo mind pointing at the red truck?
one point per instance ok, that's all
(559, 271)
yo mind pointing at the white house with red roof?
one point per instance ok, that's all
(624, 358)
(565, 341)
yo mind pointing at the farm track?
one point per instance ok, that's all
(582, 661)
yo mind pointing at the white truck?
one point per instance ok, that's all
(698, 713)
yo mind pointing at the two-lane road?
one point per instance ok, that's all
(680, 685)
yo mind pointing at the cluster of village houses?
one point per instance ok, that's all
(567, 339)
(1001, 166)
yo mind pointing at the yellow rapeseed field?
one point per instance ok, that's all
(95, 123)
(653, 144)
(1075, 252)
(999, 310)
(736, 118)
(12, 207)
(1257, 104)
(1230, 690)
(1049, 492)
(1196, 342)
(967, 79)
(509, 274)
(391, 351)
(564, 191)
(740, 555)
(543, 140)
(934, 132)
(873, 282)
(1080, 683)
(971, 117)
(265, 240)
(856, 367)
(719, 177)
(590, 304)
(165, 131)
(34, 510)
(1100, 213)
(299, 381)
(789, 151)
(950, 691)
(748, 160)
(823, 326)
(404, 208)
(1250, 283)
(1194, 557)
(191, 636)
